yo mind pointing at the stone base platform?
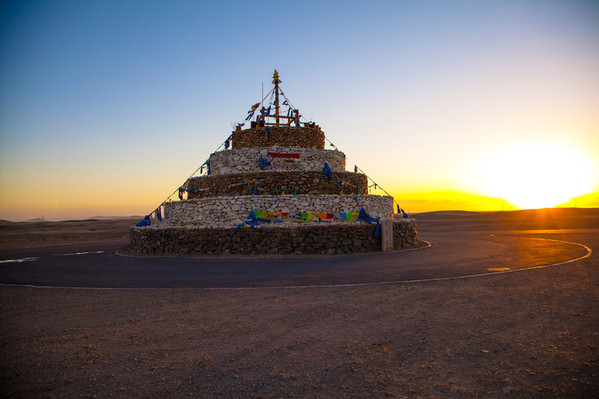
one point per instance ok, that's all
(309, 238)
(230, 211)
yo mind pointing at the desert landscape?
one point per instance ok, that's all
(267, 172)
(532, 333)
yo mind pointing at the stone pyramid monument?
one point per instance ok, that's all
(277, 190)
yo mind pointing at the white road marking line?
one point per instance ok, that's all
(31, 259)
(80, 253)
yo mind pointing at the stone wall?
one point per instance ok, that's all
(313, 239)
(276, 183)
(229, 211)
(283, 136)
(404, 233)
(246, 160)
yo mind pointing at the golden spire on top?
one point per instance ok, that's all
(275, 77)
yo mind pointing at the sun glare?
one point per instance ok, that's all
(536, 176)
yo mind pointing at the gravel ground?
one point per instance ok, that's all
(527, 334)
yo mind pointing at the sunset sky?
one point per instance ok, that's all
(106, 107)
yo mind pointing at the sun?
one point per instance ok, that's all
(536, 175)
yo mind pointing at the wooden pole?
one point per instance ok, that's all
(276, 82)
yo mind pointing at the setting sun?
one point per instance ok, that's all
(535, 175)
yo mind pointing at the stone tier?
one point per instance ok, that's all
(230, 211)
(277, 183)
(268, 239)
(246, 160)
(284, 136)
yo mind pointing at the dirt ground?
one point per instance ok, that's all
(530, 334)
(38, 234)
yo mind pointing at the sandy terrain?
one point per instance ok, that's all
(528, 334)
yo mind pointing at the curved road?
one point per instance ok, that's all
(97, 265)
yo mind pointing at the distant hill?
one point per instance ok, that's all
(115, 217)
(546, 218)
(90, 219)
(446, 213)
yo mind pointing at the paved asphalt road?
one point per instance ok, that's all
(98, 265)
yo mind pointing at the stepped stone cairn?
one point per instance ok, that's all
(276, 191)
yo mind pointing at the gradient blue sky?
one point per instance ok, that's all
(107, 106)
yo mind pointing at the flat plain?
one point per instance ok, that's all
(531, 333)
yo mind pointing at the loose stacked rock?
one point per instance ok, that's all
(212, 218)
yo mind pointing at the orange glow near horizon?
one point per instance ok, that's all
(534, 175)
